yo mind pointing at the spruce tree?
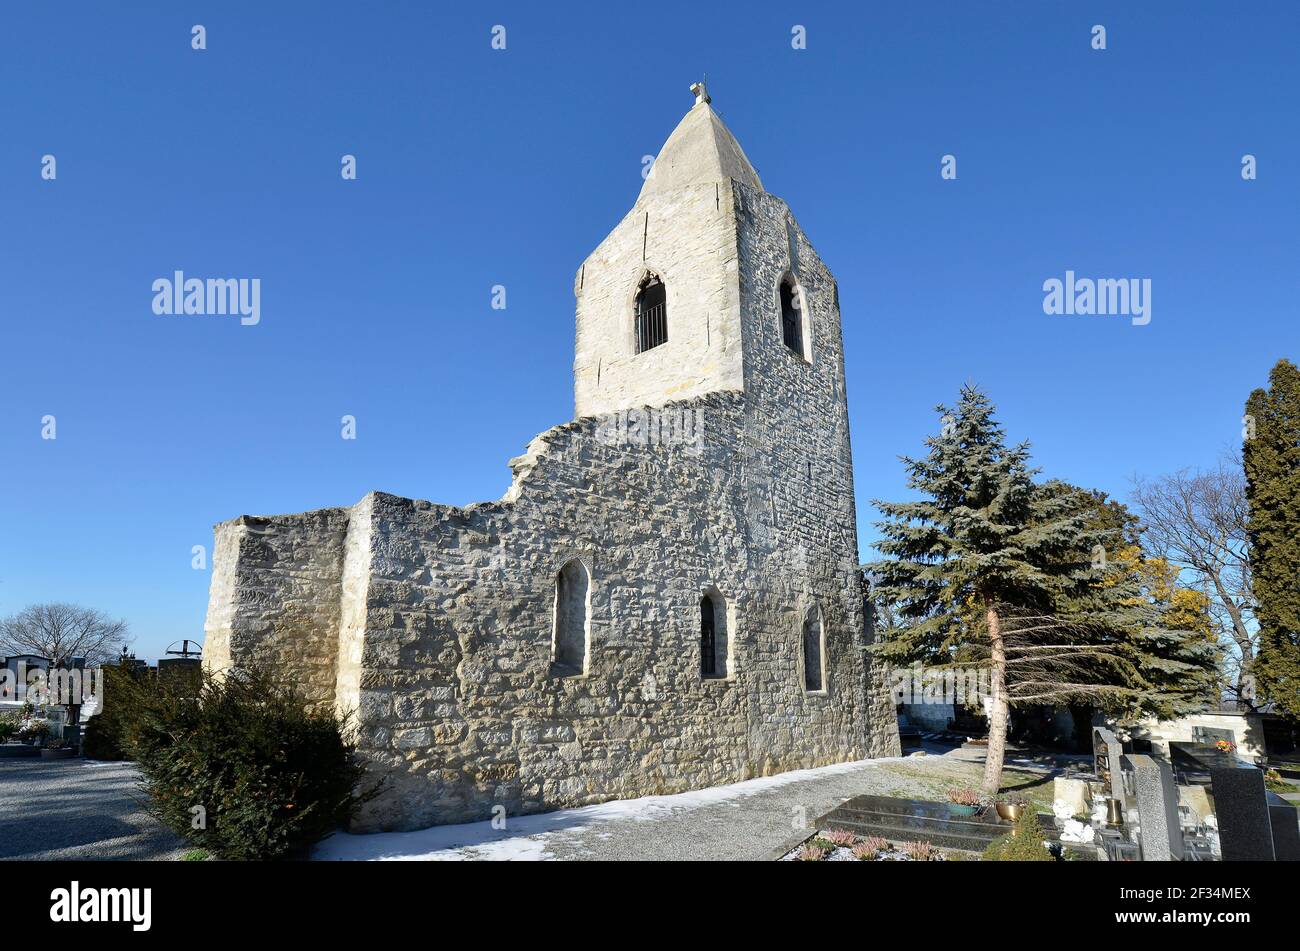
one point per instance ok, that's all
(1271, 456)
(983, 541)
(1154, 650)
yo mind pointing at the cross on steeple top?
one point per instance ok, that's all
(701, 92)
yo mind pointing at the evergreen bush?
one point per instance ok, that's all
(1024, 845)
(241, 765)
(104, 735)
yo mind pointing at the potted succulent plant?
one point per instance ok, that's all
(963, 801)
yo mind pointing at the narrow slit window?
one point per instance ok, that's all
(715, 638)
(814, 672)
(708, 639)
(572, 619)
(791, 316)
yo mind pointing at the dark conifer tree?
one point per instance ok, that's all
(983, 541)
(1271, 455)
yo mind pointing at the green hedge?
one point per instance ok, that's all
(1023, 845)
(103, 736)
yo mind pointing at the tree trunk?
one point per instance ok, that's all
(997, 748)
(1241, 635)
(1245, 686)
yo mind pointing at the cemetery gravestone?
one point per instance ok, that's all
(1151, 808)
(1240, 804)
(1106, 753)
(1285, 820)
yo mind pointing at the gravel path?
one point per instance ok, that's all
(753, 820)
(78, 809)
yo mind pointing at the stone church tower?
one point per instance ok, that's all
(668, 595)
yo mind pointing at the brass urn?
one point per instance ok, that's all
(1011, 811)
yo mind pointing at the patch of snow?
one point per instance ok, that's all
(526, 837)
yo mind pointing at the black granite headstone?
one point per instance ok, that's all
(1200, 757)
(1285, 820)
(1241, 807)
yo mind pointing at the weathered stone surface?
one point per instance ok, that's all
(1107, 753)
(717, 463)
(1153, 808)
(1197, 800)
(1070, 798)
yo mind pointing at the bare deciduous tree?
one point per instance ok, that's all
(63, 631)
(1196, 520)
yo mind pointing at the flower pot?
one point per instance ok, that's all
(1011, 811)
(957, 810)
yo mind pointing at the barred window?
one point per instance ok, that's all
(708, 639)
(715, 639)
(651, 314)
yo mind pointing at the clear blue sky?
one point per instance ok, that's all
(478, 167)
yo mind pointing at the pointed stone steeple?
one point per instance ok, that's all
(701, 149)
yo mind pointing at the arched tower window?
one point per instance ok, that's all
(651, 314)
(708, 639)
(814, 662)
(572, 620)
(714, 642)
(792, 315)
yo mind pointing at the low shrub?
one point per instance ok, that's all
(240, 765)
(1025, 844)
(841, 838)
(920, 851)
(8, 727)
(811, 853)
(32, 729)
(870, 847)
(1274, 782)
(104, 735)
(964, 797)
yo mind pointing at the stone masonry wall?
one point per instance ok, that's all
(433, 625)
(275, 596)
(688, 238)
(458, 704)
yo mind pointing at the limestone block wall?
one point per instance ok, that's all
(354, 609)
(274, 599)
(688, 238)
(458, 703)
(432, 626)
